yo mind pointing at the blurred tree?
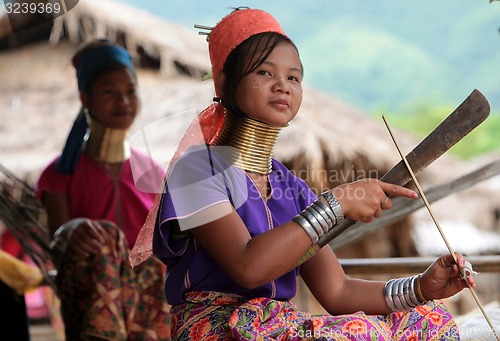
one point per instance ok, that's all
(424, 116)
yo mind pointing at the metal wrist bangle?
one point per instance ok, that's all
(413, 294)
(335, 206)
(328, 211)
(397, 295)
(320, 216)
(406, 293)
(402, 295)
(388, 289)
(307, 227)
(314, 222)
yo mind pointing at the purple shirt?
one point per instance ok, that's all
(199, 181)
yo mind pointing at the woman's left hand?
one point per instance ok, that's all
(444, 278)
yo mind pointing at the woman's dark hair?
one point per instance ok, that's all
(244, 59)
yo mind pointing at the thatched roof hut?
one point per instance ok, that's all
(327, 144)
(39, 81)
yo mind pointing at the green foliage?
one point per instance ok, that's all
(373, 54)
(424, 117)
(397, 55)
(417, 60)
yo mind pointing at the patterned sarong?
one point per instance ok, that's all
(103, 298)
(211, 316)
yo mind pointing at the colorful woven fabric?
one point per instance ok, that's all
(215, 316)
(102, 298)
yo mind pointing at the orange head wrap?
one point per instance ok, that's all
(230, 32)
(234, 29)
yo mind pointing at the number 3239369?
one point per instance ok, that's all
(33, 7)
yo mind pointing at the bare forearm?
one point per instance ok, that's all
(253, 262)
(337, 293)
(359, 295)
(276, 252)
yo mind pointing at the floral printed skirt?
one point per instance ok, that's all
(211, 316)
(103, 298)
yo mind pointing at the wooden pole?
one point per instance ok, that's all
(411, 265)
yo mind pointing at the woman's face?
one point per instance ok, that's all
(272, 93)
(112, 98)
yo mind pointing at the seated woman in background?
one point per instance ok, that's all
(95, 210)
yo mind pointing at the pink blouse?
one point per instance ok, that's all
(94, 194)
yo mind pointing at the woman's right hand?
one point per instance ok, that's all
(365, 199)
(85, 237)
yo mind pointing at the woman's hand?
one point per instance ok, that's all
(85, 237)
(444, 278)
(365, 199)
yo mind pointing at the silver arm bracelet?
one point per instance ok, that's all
(313, 221)
(388, 295)
(316, 220)
(397, 295)
(326, 212)
(400, 294)
(307, 227)
(410, 293)
(406, 293)
(316, 212)
(413, 293)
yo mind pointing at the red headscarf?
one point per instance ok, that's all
(231, 31)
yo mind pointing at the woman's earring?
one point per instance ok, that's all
(86, 113)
